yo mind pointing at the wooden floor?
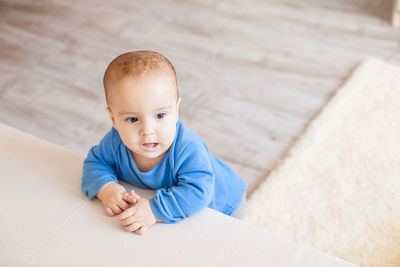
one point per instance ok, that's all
(251, 73)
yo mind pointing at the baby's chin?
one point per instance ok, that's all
(150, 150)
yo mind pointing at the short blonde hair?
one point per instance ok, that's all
(136, 64)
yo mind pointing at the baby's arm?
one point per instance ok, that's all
(193, 188)
(138, 218)
(100, 176)
(115, 199)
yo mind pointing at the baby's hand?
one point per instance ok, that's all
(115, 199)
(138, 218)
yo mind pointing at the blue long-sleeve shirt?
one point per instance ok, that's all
(187, 179)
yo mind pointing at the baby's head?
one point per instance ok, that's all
(142, 97)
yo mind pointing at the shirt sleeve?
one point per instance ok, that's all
(99, 166)
(193, 190)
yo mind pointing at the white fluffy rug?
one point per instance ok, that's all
(338, 189)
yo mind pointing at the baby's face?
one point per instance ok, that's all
(144, 111)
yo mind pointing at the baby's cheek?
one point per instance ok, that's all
(129, 139)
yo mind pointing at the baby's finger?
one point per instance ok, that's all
(116, 209)
(141, 230)
(132, 193)
(133, 227)
(129, 212)
(109, 212)
(128, 221)
(123, 205)
(129, 198)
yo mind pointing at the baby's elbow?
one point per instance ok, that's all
(208, 190)
(205, 195)
(197, 196)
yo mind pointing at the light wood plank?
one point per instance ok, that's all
(251, 73)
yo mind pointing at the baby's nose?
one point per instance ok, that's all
(147, 129)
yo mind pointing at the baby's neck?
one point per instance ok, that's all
(145, 164)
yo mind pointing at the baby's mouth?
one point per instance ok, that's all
(150, 146)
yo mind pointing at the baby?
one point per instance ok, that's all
(149, 147)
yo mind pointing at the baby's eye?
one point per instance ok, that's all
(131, 119)
(161, 115)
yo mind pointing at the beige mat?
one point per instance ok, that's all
(338, 189)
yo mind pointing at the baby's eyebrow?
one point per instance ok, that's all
(121, 113)
(125, 113)
(163, 108)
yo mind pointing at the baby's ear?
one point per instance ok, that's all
(177, 105)
(111, 115)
